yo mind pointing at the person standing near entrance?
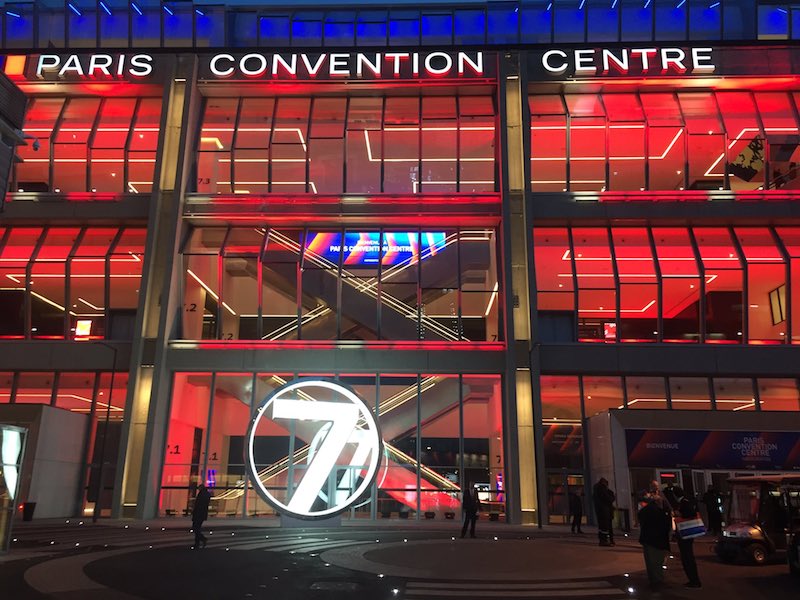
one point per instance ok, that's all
(713, 501)
(687, 509)
(199, 515)
(576, 510)
(655, 524)
(604, 499)
(470, 505)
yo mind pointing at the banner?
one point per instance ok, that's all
(769, 450)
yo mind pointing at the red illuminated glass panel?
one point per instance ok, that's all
(597, 295)
(548, 143)
(766, 285)
(745, 151)
(35, 388)
(342, 144)
(778, 394)
(561, 399)
(790, 238)
(75, 392)
(734, 393)
(638, 284)
(601, 394)
(724, 286)
(554, 277)
(65, 272)
(681, 284)
(699, 140)
(645, 392)
(6, 387)
(90, 145)
(33, 173)
(690, 393)
(626, 142)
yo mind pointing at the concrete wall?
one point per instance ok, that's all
(53, 457)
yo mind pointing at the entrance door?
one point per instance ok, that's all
(559, 485)
(669, 476)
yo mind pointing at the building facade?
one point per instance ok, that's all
(543, 241)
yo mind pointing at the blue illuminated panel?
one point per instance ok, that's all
(364, 249)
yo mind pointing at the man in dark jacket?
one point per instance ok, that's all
(200, 514)
(687, 509)
(576, 510)
(470, 505)
(655, 524)
(604, 509)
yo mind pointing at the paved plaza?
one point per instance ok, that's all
(71, 560)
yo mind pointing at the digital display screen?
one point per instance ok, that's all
(366, 248)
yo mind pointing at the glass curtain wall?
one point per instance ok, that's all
(94, 145)
(70, 282)
(440, 432)
(347, 145)
(361, 284)
(664, 141)
(666, 284)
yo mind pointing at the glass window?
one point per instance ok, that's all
(353, 284)
(734, 393)
(185, 454)
(548, 143)
(90, 145)
(681, 285)
(75, 392)
(724, 297)
(663, 141)
(766, 285)
(6, 387)
(35, 388)
(355, 144)
(597, 296)
(790, 237)
(690, 393)
(637, 284)
(646, 392)
(601, 394)
(562, 435)
(561, 399)
(778, 394)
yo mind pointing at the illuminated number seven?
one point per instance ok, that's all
(343, 419)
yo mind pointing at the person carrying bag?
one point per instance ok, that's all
(689, 525)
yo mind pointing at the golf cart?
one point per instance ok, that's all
(761, 512)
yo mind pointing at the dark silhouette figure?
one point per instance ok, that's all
(604, 499)
(669, 494)
(576, 510)
(687, 509)
(713, 501)
(655, 524)
(470, 505)
(200, 514)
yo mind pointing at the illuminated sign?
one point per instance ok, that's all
(594, 62)
(277, 66)
(334, 449)
(367, 248)
(344, 65)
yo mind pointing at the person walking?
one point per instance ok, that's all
(604, 499)
(470, 505)
(713, 501)
(655, 524)
(687, 509)
(200, 514)
(576, 510)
